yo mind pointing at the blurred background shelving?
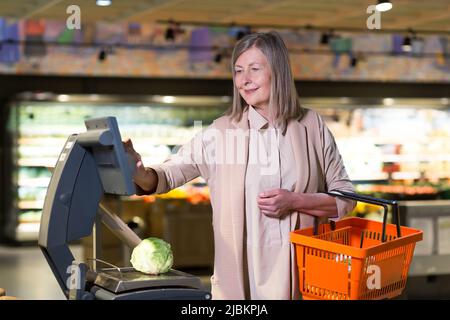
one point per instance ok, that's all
(383, 154)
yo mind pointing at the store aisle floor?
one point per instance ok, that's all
(25, 274)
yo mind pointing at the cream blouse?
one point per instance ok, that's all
(271, 165)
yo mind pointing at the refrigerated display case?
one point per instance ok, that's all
(392, 148)
(40, 124)
(390, 139)
(395, 149)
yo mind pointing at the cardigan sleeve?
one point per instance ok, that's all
(187, 163)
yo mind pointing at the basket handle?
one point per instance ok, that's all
(376, 201)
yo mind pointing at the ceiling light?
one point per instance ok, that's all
(63, 98)
(218, 58)
(168, 99)
(170, 34)
(102, 55)
(44, 96)
(388, 101)
(104, 3)
(94, 97)
(383, 5)
(241, 33)
(173, 30)
(326, 37)
(406, 46)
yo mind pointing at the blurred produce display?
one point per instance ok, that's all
(195, 192)
(376, 144)
(41, 128)
(400, 192)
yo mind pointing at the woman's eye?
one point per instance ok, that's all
(255, 69)
(238, 71)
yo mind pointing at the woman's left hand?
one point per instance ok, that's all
(275, 203)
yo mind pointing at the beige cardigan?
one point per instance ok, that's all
(320, 168)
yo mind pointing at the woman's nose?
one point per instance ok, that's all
(247, 78)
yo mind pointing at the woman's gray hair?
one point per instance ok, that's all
(283, 104)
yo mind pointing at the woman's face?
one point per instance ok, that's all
(252, 77)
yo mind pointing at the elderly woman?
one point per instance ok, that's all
(267, 162)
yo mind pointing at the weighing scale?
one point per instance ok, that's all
(91, 164)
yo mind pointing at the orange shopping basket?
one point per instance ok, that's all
(355, 258)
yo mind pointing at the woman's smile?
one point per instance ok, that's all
(250, 91)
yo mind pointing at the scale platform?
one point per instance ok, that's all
(118, 280)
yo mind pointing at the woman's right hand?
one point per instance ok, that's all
(145, 178)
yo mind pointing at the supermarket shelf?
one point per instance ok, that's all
(42, 141)
(34, 182)
(23, 204)
(30, 216)
(37, 162)
(405, 175)
(415, 158)
(372, 177)
(400, 175)
(27, 231)
(149, 140)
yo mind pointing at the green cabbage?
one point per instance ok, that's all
(152, 256)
